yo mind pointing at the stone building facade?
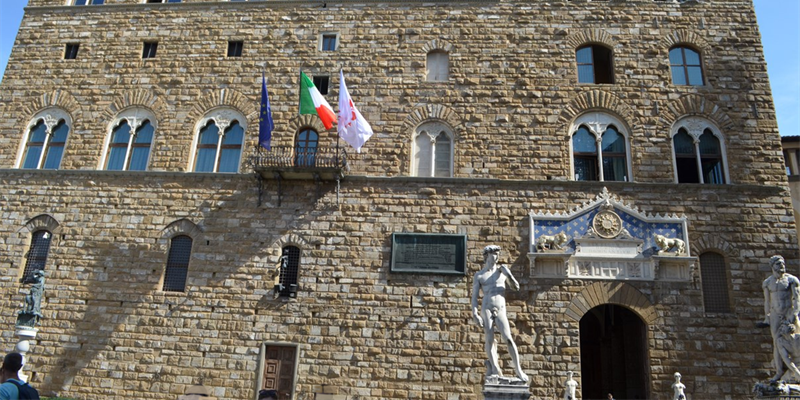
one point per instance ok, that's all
(485, 115)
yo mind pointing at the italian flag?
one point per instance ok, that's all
(312, 102)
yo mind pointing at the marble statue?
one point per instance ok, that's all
(677, 388)
(33, 301)
(781, 306)
(570, 386)
(789, 349)
(668, 244)
(555, 242)
(492, 281)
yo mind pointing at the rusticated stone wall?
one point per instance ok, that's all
(510, 98)
(109, 331)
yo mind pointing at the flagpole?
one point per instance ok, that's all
(338, 121)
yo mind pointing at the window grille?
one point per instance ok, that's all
(289, 275)
(36, 258)
(715, 283)
(180, 251)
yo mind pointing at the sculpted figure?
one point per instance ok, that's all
(789, 350)
(677, 388)
(555, 242)
(33, 301)
(570, 386)
(668, 244)
(492, 281)
(781, 305)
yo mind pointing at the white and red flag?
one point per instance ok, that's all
(352, 127)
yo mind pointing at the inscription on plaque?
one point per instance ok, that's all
(429, 253)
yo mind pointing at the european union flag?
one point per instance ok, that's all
(265, 124)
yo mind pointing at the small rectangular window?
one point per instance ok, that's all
(321, 82)
(235, 48)
(71, 51)
(149, 49)
(328, 42)
(88, 2)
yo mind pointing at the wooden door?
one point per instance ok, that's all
(279, 370)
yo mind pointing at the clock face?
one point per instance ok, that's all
(607, 224)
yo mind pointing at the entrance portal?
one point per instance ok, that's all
(614, 354)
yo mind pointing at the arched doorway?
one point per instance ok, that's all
(614, 354)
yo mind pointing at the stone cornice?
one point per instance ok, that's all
(323, 3)
(444, 183)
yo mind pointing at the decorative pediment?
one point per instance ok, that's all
(608, 239)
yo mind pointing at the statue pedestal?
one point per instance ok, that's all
(501, 388)
(25, 335)
(777, 391)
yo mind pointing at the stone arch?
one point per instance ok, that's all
(587, 36)
(438, 44)
(143, 98)
(694, 104)
(305, 121)
(42, 222)
(182, 226)
(714, 243)
(597, 100)
(58, 99)
(427, 112)
(290, 239)
(685, 36)
(619, 293)
(223, 98)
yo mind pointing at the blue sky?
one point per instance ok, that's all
(779, 22)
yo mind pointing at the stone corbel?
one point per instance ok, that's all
(222, 124)
(134, 123)
(597, 128)
(50, 122)
(695, 127)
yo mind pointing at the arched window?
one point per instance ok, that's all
(290, 274)
(614, 160)
(433, 151)
(698, 152)
(713, 273)
(437, 66)
(180, 252)
(219, 142)
(686, 66)
(595, 64)
(305, 148)
(611, 161)
(36, 258)
(584, 150)
(130, 141)
(46, 138)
